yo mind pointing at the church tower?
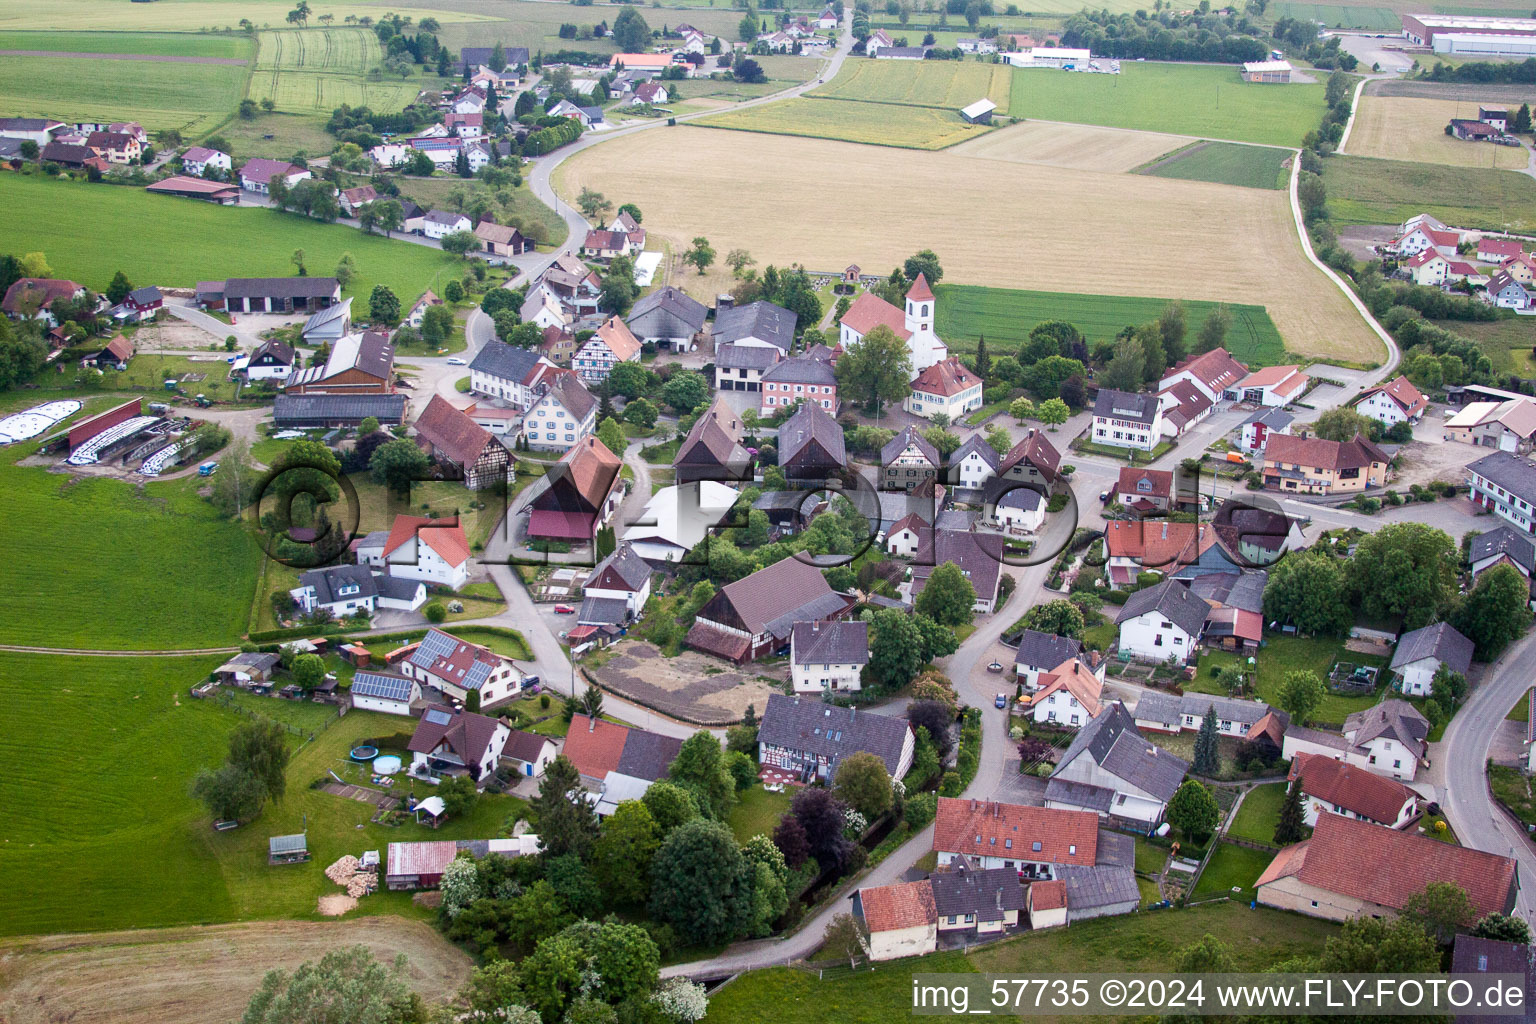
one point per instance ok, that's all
(924, 345)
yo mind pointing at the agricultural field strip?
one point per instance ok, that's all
(185, 16)
(1413, 128)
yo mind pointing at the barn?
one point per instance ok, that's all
(979, 112)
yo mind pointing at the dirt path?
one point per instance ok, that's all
(168, 58)
(197, 975)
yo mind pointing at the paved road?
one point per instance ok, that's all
(1478, 821)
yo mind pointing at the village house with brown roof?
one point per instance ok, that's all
(755, 615)
(713, 449)
(458, 442)
(581, 493)
(1312, 465)
(1338, 787)
(946, 388)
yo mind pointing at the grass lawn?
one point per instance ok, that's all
(151, 369)
(757, 812)
(166, 44)
(291, 133)
(1374, 19)
(180, 242)
(89, 579)
(315, 70)
(1362, 190)
(1513, 789)
(1149, 858)
(1282, 654)
(1204, 100)
(876, 124)
(1232, 866)
(181, 15)
(159, 94)
(1139, 943)
(944, 84)
(1226, 163)
(1006, 316)
(1259, 814)
(1521, 712)
(1506, 342)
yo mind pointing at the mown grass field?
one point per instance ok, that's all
(1205, 100)
(317, 70)
(1232, 867)
(291, 133)
(1259, 814)
(181, 242)
(1139, 943)
(876, 124)
(946, 84)
(101, 752)
(1507, 342)
(165, 44)
(1372, 19)
(1006, 316)
(187, 97)
(537, 25)
(184, 15)
(1282, 655)
(103, 564)
(1413, 128)
(1362, 190)
(1227, 163)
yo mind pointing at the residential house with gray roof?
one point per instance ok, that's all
(1159, 711)
(972, 465)
(1505, 484)
(810, 739)
(1122, 419)
(1423, 652)
(978, 555)
(1042, 652)
(828, 657)
(1390, 738)
(800, 380)
(668, 318)
(1111, 769)
(1162, 622)
(909, 460)
(755, 615)
(741, 367)
(811, 445)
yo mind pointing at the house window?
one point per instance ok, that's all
(970, 918)
(1007, 844)
(1035, 846)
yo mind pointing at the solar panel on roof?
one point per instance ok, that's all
(437, 717)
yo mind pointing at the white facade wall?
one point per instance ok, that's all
(900, 942)
(414, 560)
(822, 678)
(1128, 434)
(549, 426)
(1062, 709)
(634, 600)
(1151, 636)
(437, 229)
(1382, 408)
(1419, 676)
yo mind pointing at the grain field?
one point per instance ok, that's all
(890, 203)
(1075, 146)
(198, 975)
(1413, 128)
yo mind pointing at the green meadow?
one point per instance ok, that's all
(161, 44)
(1226, 163)
(158, 94)
(1365, 190)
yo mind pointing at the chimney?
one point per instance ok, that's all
(591, 725)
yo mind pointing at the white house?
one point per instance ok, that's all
(1390, 738)
(946, 387)
(1424, 233)
(1162, 622)
(199, 160)
(430, 550)
(513, 375)
(439, 223)
(623, 576)
(1018, 510)
(1505, 484)
(389, 692)
(901, 919)
(1068, 697)
(826, 657)
(542, 306)
(1039, 653)
(456, 667)
(1394, 402)
(1215, 373)
(1423, 652)
(1111, 769)
(1257, 429)
(906, 536)
(972, 464)
(1338, 787)
(530, 752)
(810, 738)
(1122, 419)
(562, 416)
(258, 173)
(611, 344)
(341, 590)
(1273, 386)
(913, 325)
(460, 738)
(1505, 291)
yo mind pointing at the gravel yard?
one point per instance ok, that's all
(692, 686)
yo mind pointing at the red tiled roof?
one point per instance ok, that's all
(920, 290)
(1048, 895)
(712, 640)
(870, 311)
(1269, 376)
(1059, 832)
(1270, 726)
(1215, 369)
(945, 378)
(446, 537)
(1402, 391)
(616, 334)
(1501, 247)
(1074, 677)
(1317, 453)
(594, 746)
(903, 905)
(32, 293)
(1350, 787)
(1159, 482)
(1037, 450)
(1385, 866)
(1159, 544)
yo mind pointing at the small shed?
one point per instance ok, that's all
(979, 112)
(355, 655)
(434, 809)
(292, 849)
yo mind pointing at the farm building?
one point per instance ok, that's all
(582, 494)
(359, 364)
(753, 616)
(420, 865)
(245, 669)
(460, 444)
(1267, 71)
(979, 112)
(188, 187)
(304, 412)
(270, 294)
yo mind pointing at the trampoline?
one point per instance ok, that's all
(364, 753)
(389, 764)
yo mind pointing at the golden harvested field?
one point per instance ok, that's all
(1081, 147)
(1408, 128)
(197, 975)
(943, 83)
(183, 15)
(878, 124)
(892, 203)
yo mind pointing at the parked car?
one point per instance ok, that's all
(455, 361)
(1000, 701)
(564, 609)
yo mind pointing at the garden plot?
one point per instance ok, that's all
(691, 686)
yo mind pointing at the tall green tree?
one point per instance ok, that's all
(1173, 325)
(700, 769)
(863, 783)
(1342, 424)
(1213, 332)
(923, 262)
(1406, 569)
(700, 255)
(701, 884)
(630, 32)
(1292, 826)
(397, 463)
(1207, 752)
(1193, 811)
(983, 360)
(876, 370)
(1309, 591)
(670, 805)
(561, 811)
(896, 650)
(1370, 945)
(383, 306)
(1126, 369)
(612, 434)
(1495, 614)
(1442, 908)
(261, 748)
(1503, 927)
(1301, 692)
(1060, 617)
(118, 288)
(346, 985)
(948, 598)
